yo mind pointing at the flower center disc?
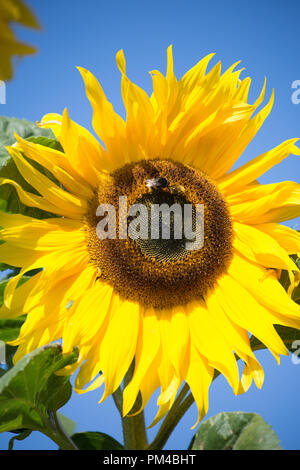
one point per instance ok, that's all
(160, 271)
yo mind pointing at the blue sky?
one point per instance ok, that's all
(264, 36)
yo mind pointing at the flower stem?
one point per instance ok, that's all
(134, 429)
(56, 432)
(134, 432)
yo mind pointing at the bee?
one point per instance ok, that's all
(157, 183)
(162, 183)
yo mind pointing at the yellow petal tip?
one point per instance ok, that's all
(121, 63)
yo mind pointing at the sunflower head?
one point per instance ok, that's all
(161, 271)
(179, 313)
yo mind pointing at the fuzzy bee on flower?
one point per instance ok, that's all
(157, 183)
(162, 183)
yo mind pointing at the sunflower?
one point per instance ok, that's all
(179, 314)
(17, 11)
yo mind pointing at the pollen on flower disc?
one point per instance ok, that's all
(161, 272)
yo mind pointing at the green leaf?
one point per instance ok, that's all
(9, 195)
(31, 389)
(9, 200)
(296, 258)
(288, 335)
(47, 142)
(235, 431)
(296, 294)
(20, 437)
(24, 128)
(284, 279)
(2, 288)
(10, 328)
(8, 192)
(95, 441)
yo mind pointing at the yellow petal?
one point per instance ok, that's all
(195, 75)
(252, 370)
(140, 114)
(82, 150)
(52, 121)
(40, 234)
(249, 172)
(56, 196)
(260, 247)
(109, 126)
(57, 164)
(148, 344)
(118, 346)
(199, 378)
(212, 346)
(266, 203)
(87, 317)
(31, 200)
(249, 314)
(264, 286)
(175, 337)
(98, 382)
(85, 155)
(21, 293)
(288, 238)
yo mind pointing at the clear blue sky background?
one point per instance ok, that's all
(264, 36)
